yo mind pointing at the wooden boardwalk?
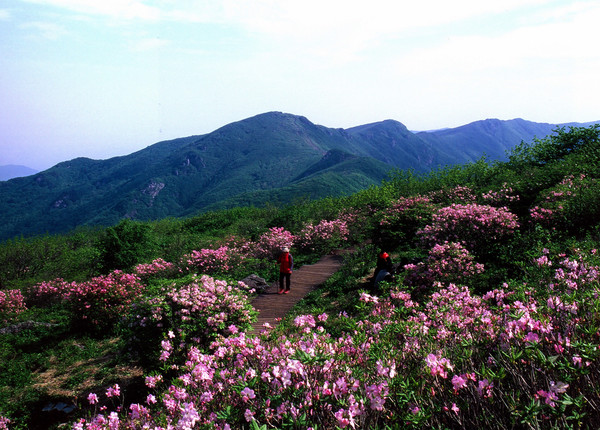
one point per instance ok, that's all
(272, 306)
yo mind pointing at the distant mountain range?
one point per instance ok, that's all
(14, 171)
(273, 157)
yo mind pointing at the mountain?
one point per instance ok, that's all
(11, 171)
(272, 157)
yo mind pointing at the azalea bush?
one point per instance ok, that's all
(570, 205)
(12, 303)
(323, 237)
(191, 311)
(270, 243)
(457, 194)
(504, 196)
(447, 262)
(96, 304)
(157, 268)
(475, 226)
(507, 359)
(399, 223)
(208, 261)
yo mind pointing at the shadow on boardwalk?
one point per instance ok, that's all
(272, 306)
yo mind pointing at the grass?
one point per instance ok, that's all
(44, 364)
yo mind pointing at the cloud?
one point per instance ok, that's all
(4, 15)
(148, 44)
(120, 9)
(569, 40)
(47, 30)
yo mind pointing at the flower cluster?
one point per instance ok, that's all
(50, 292)
(501, 197)
(324, 235)
(269, 244)
(474, 225)
(463, 350)
(157, 267)
(459, 193)
(553, 204)
(307, 378)
(195, 310)
(12, 303)
(104, 299)
(208, 261)
(99, 302)
(4, 422)
(447, 262)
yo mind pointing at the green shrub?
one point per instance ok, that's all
(125, 245)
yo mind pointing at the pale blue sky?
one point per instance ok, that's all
(101, 78)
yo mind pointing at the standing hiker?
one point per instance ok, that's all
(286, 264)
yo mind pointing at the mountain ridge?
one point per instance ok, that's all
(10, 171)
(271, 157)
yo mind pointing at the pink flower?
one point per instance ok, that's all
(532, 337)
(458, 382)
(92, 398)
(115, 391)
(484, 388)
(247, 394)
(249, 415)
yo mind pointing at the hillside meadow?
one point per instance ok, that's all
(492, 319)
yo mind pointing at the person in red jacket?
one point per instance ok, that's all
(286, 264)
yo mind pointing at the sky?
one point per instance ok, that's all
(104, 78)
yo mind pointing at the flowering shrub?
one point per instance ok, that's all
(500, 198)
(101, 301)
(308, 378)
(322, 237)
(194, 310)
(457, 194)
(12, 303)
(269, 244)
(568, 201)
(474, 225)
(50, 292)
(358, 221)
(448, 262)
(4, 422)
(98, 302)
(403, 218)
(158, 267)
(445, 363)
(208, 261)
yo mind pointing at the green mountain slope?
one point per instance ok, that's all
(325, 179)
(491, 137)
(391, 142)
(272, 157)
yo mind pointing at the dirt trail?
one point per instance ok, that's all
(272, 306)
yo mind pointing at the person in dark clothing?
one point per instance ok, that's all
(286, 265)
(384, 261)
(384, 267)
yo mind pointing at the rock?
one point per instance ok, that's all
(255, 282)
(25, 325)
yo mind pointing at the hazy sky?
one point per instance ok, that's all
(100, 78)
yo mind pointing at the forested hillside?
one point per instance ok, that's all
(490, 320)
(272, 158)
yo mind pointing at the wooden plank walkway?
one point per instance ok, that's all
(272, 306)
